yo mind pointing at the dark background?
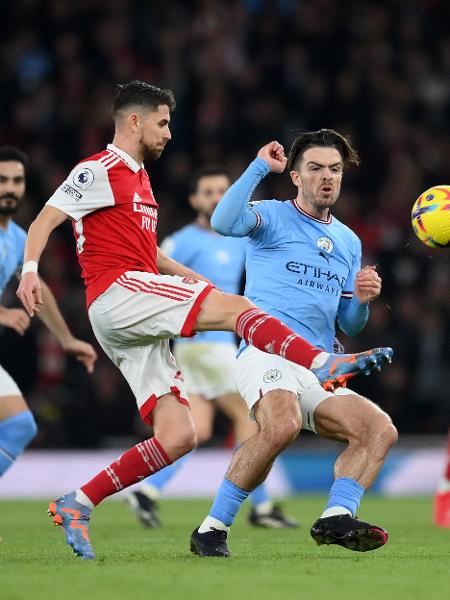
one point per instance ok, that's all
(243, 73)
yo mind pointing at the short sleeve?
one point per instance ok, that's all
(87, 188)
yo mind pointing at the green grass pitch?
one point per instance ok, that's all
(135, 563)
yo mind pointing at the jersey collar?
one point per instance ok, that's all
(300, 210)
(127, 159)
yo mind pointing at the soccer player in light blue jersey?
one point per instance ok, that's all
(17, 425)
(303, 266)
(208, 360)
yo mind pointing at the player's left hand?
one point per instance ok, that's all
(367, 284)
(82, 351)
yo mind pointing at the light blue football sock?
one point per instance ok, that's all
(160, 479)
(260, 495)
(345, 492)
(227, 502)
(16, 433)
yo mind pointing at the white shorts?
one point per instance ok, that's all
(259, 373)
(8, 387)
(209, 368)
(133, 321)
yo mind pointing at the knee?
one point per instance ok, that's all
(381, 434)
(388, 432)
(279, 418)
(282, 432)
(188, 442)
(180, 444)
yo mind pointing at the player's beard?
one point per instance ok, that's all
(323, 203)
(7, 209)
(316, 200)
(150, 154)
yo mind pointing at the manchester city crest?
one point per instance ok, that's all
(325, 244)
(272, 375)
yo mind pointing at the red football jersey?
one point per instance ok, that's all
(114, 212)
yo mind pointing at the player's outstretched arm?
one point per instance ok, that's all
(29, 290)
(232, 216)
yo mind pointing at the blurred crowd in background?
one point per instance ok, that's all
(243, 73)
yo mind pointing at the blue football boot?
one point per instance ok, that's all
(74, 519)
(339, 368)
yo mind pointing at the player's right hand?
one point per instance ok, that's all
(16, 319)
(273, 154)
(29, 293)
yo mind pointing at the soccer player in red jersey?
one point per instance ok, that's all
(442, 496)
(138, 298)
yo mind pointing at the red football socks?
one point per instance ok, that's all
(271, 335)
(134, 465)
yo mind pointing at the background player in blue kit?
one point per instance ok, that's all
(303, 266)
(17, 425)
(208, 360)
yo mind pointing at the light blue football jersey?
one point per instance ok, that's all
(299, 268)
(220, 259)
(12, 245)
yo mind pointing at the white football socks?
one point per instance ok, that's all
(211, 523)
(81, 497)
(335, 510)
(319, 360)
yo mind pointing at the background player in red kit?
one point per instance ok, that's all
(138, 298)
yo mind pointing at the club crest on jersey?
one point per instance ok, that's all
(272, 375)
(83, 178)
(326, 244)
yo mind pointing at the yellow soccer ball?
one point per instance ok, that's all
(430, 217)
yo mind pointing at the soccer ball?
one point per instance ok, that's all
(430, 217)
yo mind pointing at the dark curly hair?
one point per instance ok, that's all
(141, 94)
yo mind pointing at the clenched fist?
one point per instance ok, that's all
(367, 284)
(273, 154)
